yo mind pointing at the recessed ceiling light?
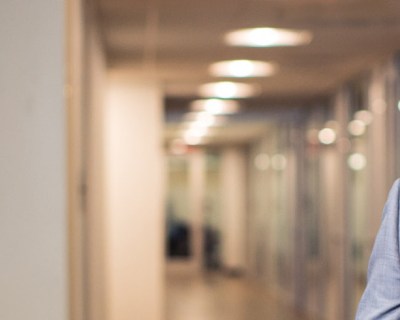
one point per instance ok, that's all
(227, 90)
(357, 161)
(195, 135)
(200, 118)
(278, 162)
(192, 139)
(215, 106)
(197, 132)
(243, 68)
(357, 127)
(268, 37)
(327, 136)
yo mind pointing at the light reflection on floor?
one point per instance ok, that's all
(214, 297)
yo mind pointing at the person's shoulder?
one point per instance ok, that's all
(395, 187)
(396, 182)
(392, 203)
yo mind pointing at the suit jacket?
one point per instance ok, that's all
(381, 298)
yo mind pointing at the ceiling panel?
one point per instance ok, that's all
(185, 36)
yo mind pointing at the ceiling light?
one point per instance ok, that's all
(227, 90)
(192, 140)
(242, 68)
(327, 136)
(215, 106)
(268, 37)
(200, 119)
(196, 131)
(278, 162)
(357, 161)
(194, 136)
(356, 127)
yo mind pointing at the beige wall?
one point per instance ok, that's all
(86, 76)
(93, 171)
(33, 246)
(74, 74)
(135, 199)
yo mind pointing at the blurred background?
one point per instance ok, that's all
(187, 160)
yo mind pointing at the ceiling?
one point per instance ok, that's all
(178, 39)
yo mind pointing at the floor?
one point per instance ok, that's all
(214, 297)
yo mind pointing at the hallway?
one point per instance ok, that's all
(141, 137)
(213, 297)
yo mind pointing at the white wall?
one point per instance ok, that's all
(33, 250)
(135, 200)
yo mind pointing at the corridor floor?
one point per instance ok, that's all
(214, 297)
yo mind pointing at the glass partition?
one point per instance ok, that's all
(212, 211)
(357, 207)
(271, 215)
(179, 233)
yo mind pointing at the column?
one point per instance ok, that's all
(134, 181)
(33, 228)
(197, 188)
(335, 214)
(233, 193)
(378, 150)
